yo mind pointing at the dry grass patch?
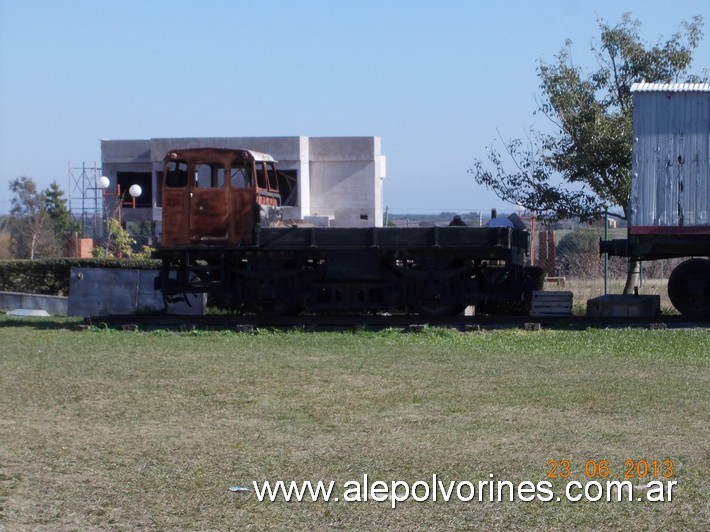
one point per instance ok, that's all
(586, 289)
(121, 430)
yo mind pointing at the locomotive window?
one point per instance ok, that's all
(266, 177)
(209, 175)
(240, 176)
(176, 174)
(271, 177)
(260, 177)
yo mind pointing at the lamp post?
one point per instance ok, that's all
(134, 191)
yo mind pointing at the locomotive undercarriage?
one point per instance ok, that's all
(282, 282)
(429, 271)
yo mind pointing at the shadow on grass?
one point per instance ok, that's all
(42, 324)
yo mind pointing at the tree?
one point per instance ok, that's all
(583, 169)
(118, 242)
(5, 237)
(58, 213)
(29, 216)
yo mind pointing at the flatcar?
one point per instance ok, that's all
(222, 236)
(670, 188)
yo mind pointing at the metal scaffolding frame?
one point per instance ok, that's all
(86, 200)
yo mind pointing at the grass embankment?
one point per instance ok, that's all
(126, 430)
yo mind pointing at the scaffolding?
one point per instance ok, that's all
(86, 200)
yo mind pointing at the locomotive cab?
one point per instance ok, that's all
(213, 196)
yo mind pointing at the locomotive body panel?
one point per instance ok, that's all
(176, 217)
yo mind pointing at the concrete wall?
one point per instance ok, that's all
(338, 177)
(346, 180)
(104, 291)
(56, 305)
(128, 156)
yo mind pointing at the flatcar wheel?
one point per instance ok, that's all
(438, 308)
(689, 288)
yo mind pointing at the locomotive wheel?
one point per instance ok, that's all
(433, 281)
(689, 288)
(269, 288)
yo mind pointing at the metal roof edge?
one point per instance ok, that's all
(670, 87)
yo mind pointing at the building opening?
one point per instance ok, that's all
(142, 179)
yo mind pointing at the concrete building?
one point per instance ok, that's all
(339, 179)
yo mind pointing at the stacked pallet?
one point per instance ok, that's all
(551, 303)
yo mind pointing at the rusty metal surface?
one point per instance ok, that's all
(215, 209)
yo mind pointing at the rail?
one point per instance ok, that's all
(381, 322)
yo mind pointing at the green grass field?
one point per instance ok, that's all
(104, 429)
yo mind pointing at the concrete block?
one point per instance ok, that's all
(317, 221)
(624, 306)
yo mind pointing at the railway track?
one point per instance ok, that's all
(379, 322)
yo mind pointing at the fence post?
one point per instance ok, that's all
(606, 255)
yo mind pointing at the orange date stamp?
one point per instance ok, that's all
(640, 469)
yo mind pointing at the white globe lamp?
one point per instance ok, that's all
(135, 191)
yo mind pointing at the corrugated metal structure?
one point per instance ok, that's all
(670, 188)
(670, 185)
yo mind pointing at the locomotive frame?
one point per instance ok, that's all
(217, 208)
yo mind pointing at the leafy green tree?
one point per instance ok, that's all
(59, 214)
(29, 215)
(119, 243)
(5, 237)
(583, 169)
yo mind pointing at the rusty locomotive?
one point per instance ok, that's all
(220, 238)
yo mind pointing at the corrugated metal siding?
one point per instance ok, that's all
(670, 87)
(670, 183)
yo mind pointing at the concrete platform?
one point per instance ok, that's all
(624, 306)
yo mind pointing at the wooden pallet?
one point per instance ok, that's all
(551, 303)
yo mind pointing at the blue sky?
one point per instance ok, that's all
(436, 80)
